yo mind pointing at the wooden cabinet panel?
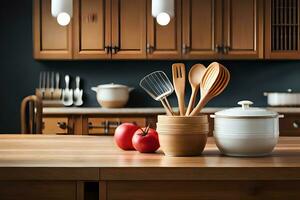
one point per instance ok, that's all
(107, 126)
(164, 42)
(128, 29)
(51, 41)
(37, 190)
(290, 125)
(243, 29)
(56, 126)
(282, 29)
(201, 37)
(175, 190)
(92, 29)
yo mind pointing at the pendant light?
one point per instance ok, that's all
(163, 11)
(62, 10)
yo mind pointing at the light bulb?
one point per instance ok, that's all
(163, 19)
(63, 19)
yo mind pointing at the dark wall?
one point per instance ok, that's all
(19, 72)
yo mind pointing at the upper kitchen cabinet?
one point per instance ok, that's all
(201, 29)
(243, 29)
(282, 29)
(51, 41)
(92, 30)
(128, 29)
(164, 42)
(218, 29)
(105, 29)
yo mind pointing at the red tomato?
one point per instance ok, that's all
(123, 135)
(145, 140)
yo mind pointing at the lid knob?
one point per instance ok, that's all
(245, 104)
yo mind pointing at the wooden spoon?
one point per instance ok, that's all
(178, 71)
(195, 77)
(214, 81)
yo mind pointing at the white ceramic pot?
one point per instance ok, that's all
(112, 95)
(246, 131)
(288, 98)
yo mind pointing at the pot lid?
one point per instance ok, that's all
(112, 86)
(246, 111)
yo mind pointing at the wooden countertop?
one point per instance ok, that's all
(36, 157)
(140, 111)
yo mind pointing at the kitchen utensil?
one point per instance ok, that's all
(159, 87)
(288, 98)
(214, 81)
(39, 91)
(57, 91)
(195, 76)
(112, 95)
(181, 138)
(78, 93)
(47, 94)
(246, 131)
(178, 72)
(67, 93)
(52, 84)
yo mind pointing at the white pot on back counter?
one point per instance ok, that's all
(112, 95)
(246, 131)
(288, 98)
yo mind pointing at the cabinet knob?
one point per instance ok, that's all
(149, 49)
(115, 49)
(62, 125)
(185, 49)
(296, 124)
(107, 49)
(226, 49)
(218, 48)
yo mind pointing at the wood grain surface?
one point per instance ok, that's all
(94, 158)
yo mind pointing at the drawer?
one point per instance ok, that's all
(107, 126)
(289, 125)
(55, 126)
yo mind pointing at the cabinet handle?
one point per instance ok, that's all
(115, 49)
(296, 124)
(218, 48)
(92, 18)
(226, 49)
(149, 49)
(107, 49)
(106, 125)
(65, 126)
(185, 49)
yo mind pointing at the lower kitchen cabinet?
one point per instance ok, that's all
(91, 124)
(117, 190)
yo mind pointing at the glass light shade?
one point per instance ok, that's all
(63, 19)
(62, 10)
(163, 10)
(163, 19)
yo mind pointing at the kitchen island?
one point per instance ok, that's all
(87, 167)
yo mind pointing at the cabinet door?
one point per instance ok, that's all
(243, 29)
(37, 190)
(51, 41)
(282, 32)
(164, 42)
(201, 38)
(92, 29)
(128, 29)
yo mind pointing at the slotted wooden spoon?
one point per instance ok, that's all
(195, 77)
(178, 72)
(214, 81)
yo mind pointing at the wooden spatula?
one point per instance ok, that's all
(178, 71)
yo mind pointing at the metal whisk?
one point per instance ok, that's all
(159, 87)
